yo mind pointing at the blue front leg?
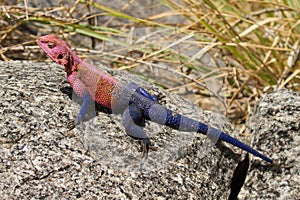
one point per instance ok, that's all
(83, 109)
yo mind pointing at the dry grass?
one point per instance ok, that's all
(224, 53)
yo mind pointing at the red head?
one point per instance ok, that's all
(59, 51)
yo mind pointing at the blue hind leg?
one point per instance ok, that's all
(146, 94)
(142, 91)
(132, 116)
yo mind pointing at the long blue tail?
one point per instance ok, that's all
(161, 115)
(215, 133)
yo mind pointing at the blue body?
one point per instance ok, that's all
(142, 105)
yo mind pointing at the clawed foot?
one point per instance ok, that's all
(145, 143)
(71, 125)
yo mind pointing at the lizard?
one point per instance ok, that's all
(135, 104)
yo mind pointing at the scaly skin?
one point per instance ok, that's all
(133, 102)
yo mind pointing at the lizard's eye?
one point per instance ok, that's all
(51, 45)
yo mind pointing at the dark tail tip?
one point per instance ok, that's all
(227, 138)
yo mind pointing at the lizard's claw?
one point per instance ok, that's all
(145, 143)
(71, 125)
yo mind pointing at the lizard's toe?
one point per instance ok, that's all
(145, 147)
(71, 125)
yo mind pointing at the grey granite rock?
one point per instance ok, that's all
(41, 159)
(275, 124)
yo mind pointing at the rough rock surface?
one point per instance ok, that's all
(275, 124)
(41, 159)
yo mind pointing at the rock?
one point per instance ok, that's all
(275, 124)
(41, 159)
